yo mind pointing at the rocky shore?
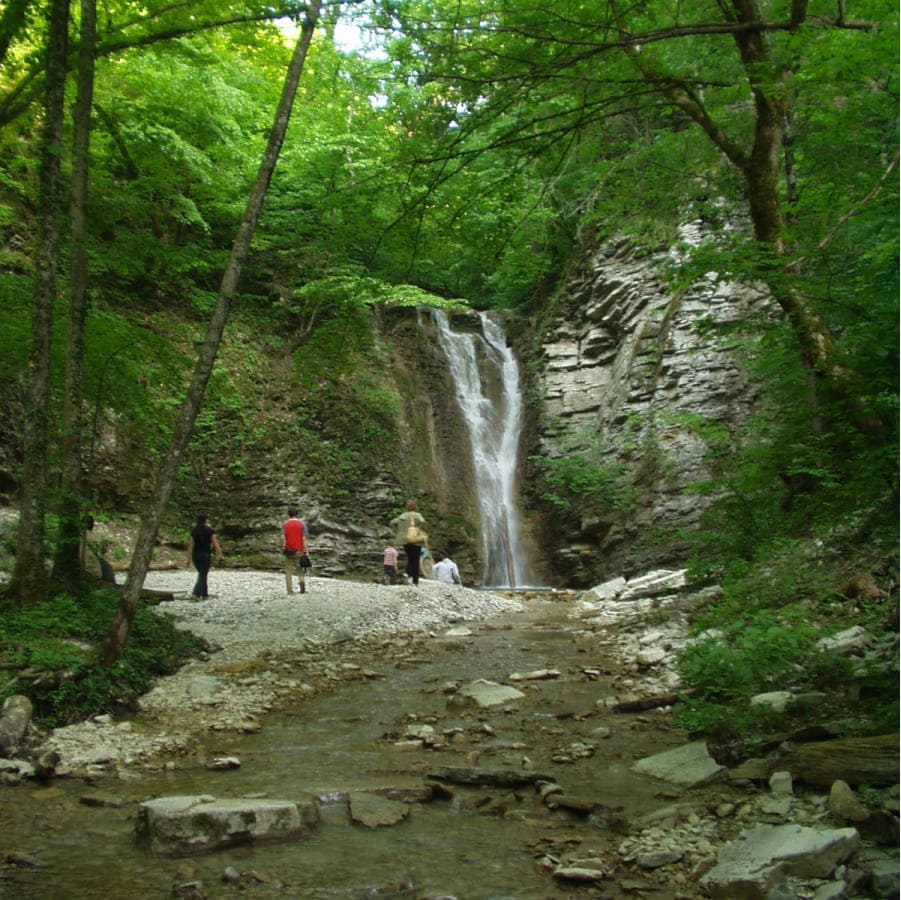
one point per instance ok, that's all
(787, 825)
(259, 638)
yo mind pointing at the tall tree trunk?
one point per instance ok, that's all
(760, 165)
(762, 171)
(117, 636)
(67, 568)
(29, 575)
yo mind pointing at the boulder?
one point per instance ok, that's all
(778, 701)
(484, 693)
(751, 867)
(184, 825)
(373, 811)
(14, 720)
(848, 642)
(686, 766)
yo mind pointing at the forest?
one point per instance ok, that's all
(176, 176)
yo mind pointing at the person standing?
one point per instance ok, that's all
(294, 549)
(446, 571)
(425, 562)
(201, 545)
(389, 565)
(410, 530)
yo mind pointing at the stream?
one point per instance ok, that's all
(478, 842)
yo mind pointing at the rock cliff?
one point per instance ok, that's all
(622, 374)
(634, 376)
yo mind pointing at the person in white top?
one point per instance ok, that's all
(446, 570)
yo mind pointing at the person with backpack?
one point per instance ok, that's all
(410, 530)
(294, 549)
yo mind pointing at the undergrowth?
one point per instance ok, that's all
(48, 653)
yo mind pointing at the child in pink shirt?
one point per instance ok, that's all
(389, 565)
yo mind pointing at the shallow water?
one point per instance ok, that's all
(482, 843)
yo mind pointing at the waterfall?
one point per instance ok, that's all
(486, 378)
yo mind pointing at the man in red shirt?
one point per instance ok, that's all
(294, 546)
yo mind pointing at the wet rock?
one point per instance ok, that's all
(103, 801)
(583, 806)
(754, 769)
(781, 783)
(578, 874)
(655, 859)
(756, 863)
(221, 763)
(374, 811)
(183, 825)
(846, 809)
(834, 890)
(650, 657)
(484, 694)
(14, 720)
(885, 879)
(480, 776)
(16, 768)
(686, 766)
(46, 763)
(21, 861)
(537, 675)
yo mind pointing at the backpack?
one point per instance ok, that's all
(415, 535)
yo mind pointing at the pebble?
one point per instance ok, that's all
(251, 617)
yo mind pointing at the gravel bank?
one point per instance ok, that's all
(251, 613)
(266, 648)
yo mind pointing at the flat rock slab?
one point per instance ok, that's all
(14, 719)
(484, 693)
(184, 825)
(749, 868)
(374, 811)
(684, 766)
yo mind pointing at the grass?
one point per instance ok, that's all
(48, 653)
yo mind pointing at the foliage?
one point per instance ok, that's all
(56, 639)
(579, 480)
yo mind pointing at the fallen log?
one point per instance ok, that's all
(855, 760)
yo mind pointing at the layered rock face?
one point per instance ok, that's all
(632, 376)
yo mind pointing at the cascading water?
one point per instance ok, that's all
(486, 378)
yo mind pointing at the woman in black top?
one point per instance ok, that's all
(201, 545)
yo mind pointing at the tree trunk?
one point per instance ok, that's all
(29, 575)
(67, 567)
(117, 636)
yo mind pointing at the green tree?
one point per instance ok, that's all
(643, 81)
(29, 575)
(67, 562)
(116, 638)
